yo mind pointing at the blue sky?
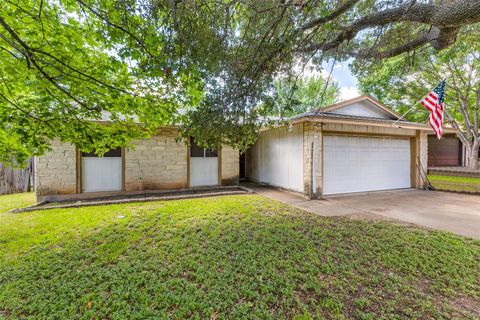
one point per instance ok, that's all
(347, 82)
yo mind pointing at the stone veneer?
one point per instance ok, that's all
(230, 159)
(423, 155)
(159, 162)
(56, 172)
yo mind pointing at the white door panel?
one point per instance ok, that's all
(101, 174)
(203, 171)
(356, 164)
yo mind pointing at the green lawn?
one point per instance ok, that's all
(453, 183)
(8, 202)
(242, 257)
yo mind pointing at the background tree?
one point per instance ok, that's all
(293, 96)
(402, 81)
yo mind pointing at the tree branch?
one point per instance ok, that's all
(460, 133)
(445, 18)
(407, 47)
(332, 16)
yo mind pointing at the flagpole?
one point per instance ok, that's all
(408, 111)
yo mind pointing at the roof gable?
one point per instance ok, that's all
(363, 106)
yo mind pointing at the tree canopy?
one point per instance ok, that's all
(293, 96)
(204, 64)
(403, 81)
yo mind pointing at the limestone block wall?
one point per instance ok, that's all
(56, 172)
(312, 157)
(159, 162)
(230, 166)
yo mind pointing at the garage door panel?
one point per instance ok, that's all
(356, 164)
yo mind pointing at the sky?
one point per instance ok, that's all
(341, 74)
(347, 82)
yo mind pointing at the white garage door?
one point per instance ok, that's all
(356, 164)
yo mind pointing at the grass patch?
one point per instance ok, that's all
(229, 257)
(19, 200)
(455, 183)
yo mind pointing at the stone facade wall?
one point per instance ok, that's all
(159, 162)
(312, 159)
(56, 171)
(230, 166)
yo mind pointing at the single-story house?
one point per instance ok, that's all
(354, 146)
(158, 163)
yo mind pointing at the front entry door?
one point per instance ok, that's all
(203, 166)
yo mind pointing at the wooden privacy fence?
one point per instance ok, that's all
(16, 180)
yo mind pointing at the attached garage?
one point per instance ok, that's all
(359, 163)
(358, 145)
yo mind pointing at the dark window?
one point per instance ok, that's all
(113, 153)
(198, 152)
(211, 153)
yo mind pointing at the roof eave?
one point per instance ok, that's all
(385, 124)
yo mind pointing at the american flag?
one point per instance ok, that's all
(434, 101)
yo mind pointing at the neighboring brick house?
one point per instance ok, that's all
(357, 145)
(158, 163)
(447, 152)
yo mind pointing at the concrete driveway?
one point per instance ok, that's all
(454, 212)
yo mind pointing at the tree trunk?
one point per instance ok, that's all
(473, 154)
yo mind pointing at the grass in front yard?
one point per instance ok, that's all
(454, 183)
(19, 200)
(229, 257)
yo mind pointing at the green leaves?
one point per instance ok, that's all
(65, 64)
(295, 96)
